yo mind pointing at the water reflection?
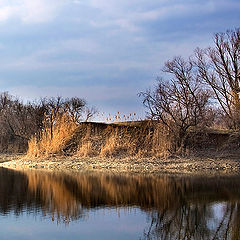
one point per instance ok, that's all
(176, 207)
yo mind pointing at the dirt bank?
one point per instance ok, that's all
(170, 165)
(142, 140)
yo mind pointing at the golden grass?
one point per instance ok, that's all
(162, 141)
(118, 117)
(52, 141)
(115, 143)
(145, 139)
(125, 141)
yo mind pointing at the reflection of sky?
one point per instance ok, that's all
(103, 50)
(218, 210)
(100, 224)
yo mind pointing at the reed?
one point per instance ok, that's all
(52, 139)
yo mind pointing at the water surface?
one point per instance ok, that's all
(91, 205)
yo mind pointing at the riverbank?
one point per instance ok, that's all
(148, 165)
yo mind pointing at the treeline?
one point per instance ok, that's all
(19, 121)
(201, 91)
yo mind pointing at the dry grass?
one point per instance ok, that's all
(51, 143)
(124, 141)
(86, 147)
(162, 141)
(117, 143)
(104, 140)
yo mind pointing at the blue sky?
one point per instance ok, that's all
(105, 51)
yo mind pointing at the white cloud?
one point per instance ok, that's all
(39, 10)
(6, 12)
(124, 14)
(79, 45)
(30, 11)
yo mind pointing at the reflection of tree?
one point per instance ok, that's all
(185, 222)
(195, 221)
(14, 193)
(236, 221)
(56, 198)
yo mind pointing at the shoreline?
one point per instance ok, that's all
(176, 165)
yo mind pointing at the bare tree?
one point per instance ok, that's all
(181, 102)
(16, 118)
(219, 68)
(89, 113)
(18, 122)
(75, 107)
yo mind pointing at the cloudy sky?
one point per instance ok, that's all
(105, 51)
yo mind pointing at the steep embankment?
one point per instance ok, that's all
(139, 148)
(136, 139)
(143, 139)
(103, 140)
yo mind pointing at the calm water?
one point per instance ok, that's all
(39, 205)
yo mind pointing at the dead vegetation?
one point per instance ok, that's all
(111, 140)
(125, 141)
(146, 140)
(52, 140)
(103, 140)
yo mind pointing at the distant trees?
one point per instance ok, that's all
(74, 107)
(16, 119)
(20, 120)
(198, 88)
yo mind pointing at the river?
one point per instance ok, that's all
(97, 205)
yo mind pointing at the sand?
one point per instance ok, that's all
(146, 165)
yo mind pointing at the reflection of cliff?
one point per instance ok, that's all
(68, 196)
(65, 193)
(179, 208)
(56, 197)
(14, 192)
(146, 191)
(94, 190)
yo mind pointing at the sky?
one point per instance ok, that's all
(106, 51)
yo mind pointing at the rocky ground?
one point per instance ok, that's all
(170, 165)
